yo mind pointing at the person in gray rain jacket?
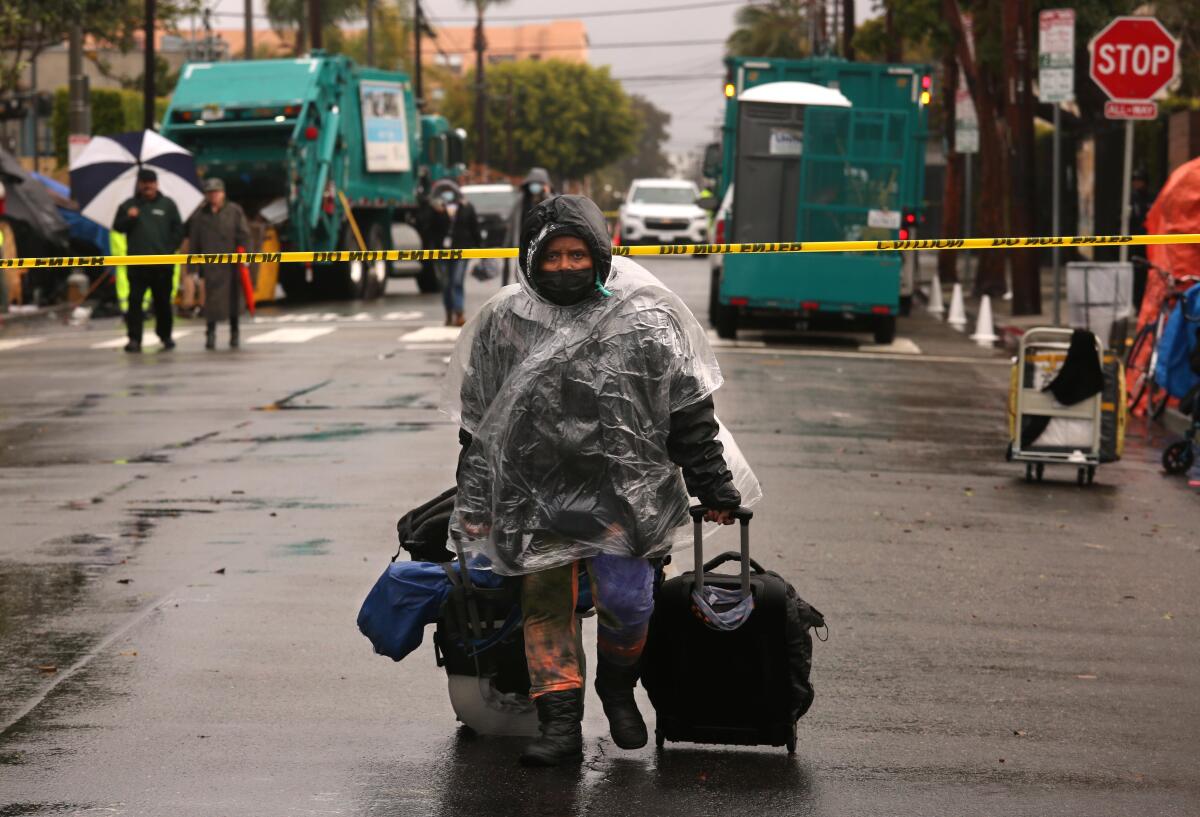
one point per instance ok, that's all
(584, 399)
(533, 191)
(219, 226)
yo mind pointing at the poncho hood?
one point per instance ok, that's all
(564, 215)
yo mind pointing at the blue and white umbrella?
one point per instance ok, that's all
(105, 173)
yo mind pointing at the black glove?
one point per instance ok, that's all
(724, 498)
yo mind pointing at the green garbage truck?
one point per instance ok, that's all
(323, 154)
(818, 149)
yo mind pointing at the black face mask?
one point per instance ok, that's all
(566, 287)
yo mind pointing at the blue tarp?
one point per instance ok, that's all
(1174, 373)
(80, 228)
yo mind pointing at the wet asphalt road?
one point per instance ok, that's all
(187, 538)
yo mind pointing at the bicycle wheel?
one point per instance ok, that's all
(1137, 365)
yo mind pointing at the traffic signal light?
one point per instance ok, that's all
(926, 89)
(13, 108)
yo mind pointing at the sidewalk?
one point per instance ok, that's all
(1011, 327)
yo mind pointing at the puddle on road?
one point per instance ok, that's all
(312, 547)
(81, 406)
(342, 432)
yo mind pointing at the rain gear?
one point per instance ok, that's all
(576, 420)
(118, 246)
(525, 203)
(218, 232)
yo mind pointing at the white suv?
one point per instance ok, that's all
(662, 211)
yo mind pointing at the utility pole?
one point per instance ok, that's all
(848, 27)
(248, 49)
(480, 89)
(148, 70)
(419, 30)
(370, 32)
(79, 114)
(314, 23)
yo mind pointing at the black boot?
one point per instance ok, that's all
(234, 336)
(614, 684)
(560, 717)
(210, 335)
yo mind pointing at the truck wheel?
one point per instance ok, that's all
(427, 279)
(727, 322)
(885, 329)
(714, 297)
(373, 279)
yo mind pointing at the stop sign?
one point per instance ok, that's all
(1133, 58)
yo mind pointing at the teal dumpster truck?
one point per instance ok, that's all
(818, 150)
(315, 147)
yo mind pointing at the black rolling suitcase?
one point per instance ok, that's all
(744, 686)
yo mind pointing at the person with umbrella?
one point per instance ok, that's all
(152, 226)
(219, 226)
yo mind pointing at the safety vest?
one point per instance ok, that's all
(118, 244)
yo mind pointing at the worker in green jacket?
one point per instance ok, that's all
(118, 244)
(152, 226)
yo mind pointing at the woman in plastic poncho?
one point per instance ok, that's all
(584, 397)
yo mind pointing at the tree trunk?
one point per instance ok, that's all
(1022, 203)
(481, 135)
(952, 222)
(848, 27)
(895, 48)
(990, 221)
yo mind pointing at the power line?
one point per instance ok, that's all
(605, 13)
(669, 77)
(589, 46)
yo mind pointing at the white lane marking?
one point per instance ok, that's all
(431, 334)
(417, 347)
(16, 343)
(899, 346)
(408, 315)
(329, 317)
(296, 334)
(149, 340)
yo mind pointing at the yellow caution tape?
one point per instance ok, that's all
(199, 259)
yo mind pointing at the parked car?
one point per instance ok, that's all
(662, 211)
(493, 204)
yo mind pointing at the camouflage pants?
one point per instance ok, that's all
(623, 594)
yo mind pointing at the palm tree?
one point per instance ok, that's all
(780, 28)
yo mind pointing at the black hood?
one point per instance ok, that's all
(566, 215)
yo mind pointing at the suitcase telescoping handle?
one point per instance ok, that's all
(743, 516)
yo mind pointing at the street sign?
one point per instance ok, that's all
(1130, 110)
(1056, 55)
(1134, 59)
(966, 120)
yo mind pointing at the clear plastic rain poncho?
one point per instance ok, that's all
(569, 408)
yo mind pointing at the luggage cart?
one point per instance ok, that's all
(1073, 435)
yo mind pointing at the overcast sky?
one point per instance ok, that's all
(693, 98)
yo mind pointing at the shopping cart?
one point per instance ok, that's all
(1045, 432)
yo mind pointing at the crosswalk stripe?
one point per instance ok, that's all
(431, 334)
(292, 334)
(15, 343)
(148, 341)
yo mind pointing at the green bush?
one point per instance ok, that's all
(113, 111)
